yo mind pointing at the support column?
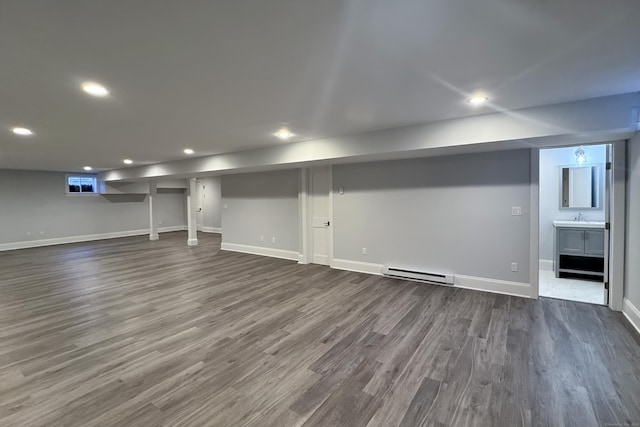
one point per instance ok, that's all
(153, 211)
(192, 221)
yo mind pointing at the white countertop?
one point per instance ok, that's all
(578, 224)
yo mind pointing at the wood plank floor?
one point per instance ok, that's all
(129, 332)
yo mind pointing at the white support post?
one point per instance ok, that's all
(153, 211)
(192, 221)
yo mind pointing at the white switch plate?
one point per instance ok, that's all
(364, 251)
(516, 210)
(514, 266)
(273, 239)
(341, 190)
(262, 238)
(226, 206)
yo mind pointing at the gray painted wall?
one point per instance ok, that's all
(261, 204)
(212, 203)
(445, 214)
(632, 266)
(550, 177)
(172, 207)
(34, 206)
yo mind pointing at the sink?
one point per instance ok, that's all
(578, 224)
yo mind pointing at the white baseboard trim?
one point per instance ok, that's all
(496, 286)
(84, 238)
(467, 282)
(257, 250)
(171, 228)
(217, 230)
(632, 314)
(357, 266)
(320, 259)
(546, 264)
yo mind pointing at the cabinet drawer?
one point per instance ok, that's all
(570, 241)
(594, 242)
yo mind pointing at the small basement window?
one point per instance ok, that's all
(82, 184)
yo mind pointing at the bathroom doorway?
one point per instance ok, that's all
(575, 187)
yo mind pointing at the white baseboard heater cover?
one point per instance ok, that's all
(425, 276)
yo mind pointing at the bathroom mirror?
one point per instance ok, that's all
(579, 187)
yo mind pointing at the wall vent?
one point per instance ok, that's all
(422, 276)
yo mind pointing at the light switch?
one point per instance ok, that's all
(516, 211)
(341, 191)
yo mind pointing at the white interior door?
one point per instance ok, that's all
(608, 188)
(199, 204)
(320, 213)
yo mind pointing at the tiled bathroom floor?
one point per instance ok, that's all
(570, 289)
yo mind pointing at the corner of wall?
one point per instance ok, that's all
(257, 250)
(632, 314)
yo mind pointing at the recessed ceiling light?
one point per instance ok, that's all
(22, 131)
(477, 100)
(95, 89)
(284, 133)
(188, 151)
(127, 161)
(87, 168)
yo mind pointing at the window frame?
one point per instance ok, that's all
(81, 193)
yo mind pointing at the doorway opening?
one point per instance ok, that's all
(574, 223)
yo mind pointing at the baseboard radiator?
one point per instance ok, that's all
(422, 276)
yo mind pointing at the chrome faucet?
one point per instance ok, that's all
(580, 217)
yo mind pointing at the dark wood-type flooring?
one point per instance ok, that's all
(129, 332)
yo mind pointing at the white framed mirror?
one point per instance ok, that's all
(579, 187)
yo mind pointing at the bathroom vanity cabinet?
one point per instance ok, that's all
(579, 252)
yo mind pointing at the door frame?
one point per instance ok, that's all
(306, 215)
(617, 233)
(617, 215)
(199, 198)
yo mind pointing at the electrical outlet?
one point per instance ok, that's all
(273, 240)
(516, 211)
(514, 266)
(364, 251)
(341, 191)
(28, 233)
(226, 206)
(42, 233)
(262, 238)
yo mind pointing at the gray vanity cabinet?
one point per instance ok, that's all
(579, 252)
(571, 240)
(594, 242)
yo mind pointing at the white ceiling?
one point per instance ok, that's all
(222, 76)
